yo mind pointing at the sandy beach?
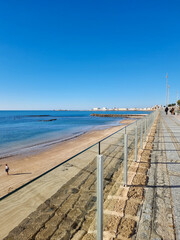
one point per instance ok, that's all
(26, 168)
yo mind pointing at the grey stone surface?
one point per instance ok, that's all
(160, 218)
(173, 127)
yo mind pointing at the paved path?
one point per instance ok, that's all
(160, 218)
(172, 144)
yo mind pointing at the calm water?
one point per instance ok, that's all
(22, 131)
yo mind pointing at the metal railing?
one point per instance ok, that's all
(76, 189)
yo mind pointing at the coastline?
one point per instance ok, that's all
(38, 147)
(31, 131)
(25, 168)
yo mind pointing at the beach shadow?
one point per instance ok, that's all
(19, 173)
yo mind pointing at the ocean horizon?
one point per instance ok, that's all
(30, 131)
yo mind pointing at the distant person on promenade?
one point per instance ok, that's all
(166, 110)
(172, 111)
(7, 169)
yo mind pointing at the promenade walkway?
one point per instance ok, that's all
(160, 217)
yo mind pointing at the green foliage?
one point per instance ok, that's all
(178, 103)
(172, 104)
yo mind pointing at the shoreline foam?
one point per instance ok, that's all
(38, 147)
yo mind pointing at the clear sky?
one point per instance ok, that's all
(75, 54)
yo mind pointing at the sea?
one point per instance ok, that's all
(31, 131)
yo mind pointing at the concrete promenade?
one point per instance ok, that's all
(160, 215)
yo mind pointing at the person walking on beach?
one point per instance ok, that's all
(166, 110)
(7, 169)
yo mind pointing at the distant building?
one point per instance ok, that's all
(99, 109)
(122, 109)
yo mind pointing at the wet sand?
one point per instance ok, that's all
(26, 168)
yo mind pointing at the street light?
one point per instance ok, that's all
(177, 98)
(166, 89)
(168, 94)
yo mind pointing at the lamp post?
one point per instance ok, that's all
(168, 94)
(177, 98)
(166, 90)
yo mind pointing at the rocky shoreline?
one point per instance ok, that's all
(136, 116)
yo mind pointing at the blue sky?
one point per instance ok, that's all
(85, 54)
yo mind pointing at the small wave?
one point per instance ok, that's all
(36, 115)
(35, 148)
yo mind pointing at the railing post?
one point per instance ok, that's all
(99, 197)
(145, 130)
(125, 159)
(142, 135)
(147, 125)
(136, 142)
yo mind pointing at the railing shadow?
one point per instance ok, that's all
(161, 150)
(162, 162)
(154, 186)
